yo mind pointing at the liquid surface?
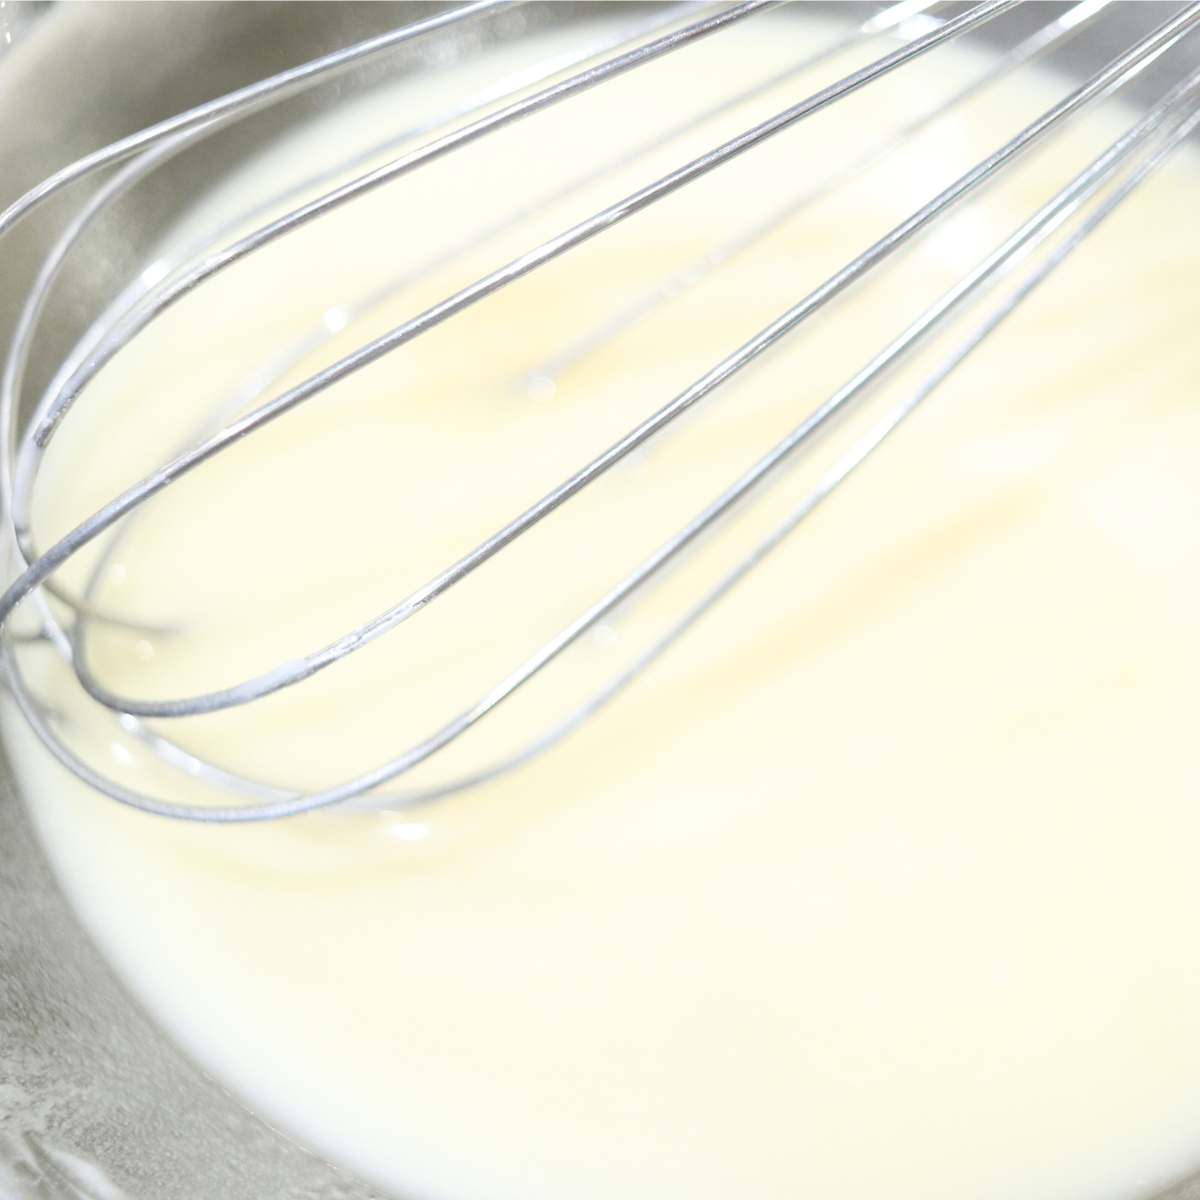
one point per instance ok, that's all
(884, 882)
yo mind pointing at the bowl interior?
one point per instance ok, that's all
(94, 1100)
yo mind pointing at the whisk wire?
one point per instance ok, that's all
(291, 673)
(147, 161)
(1111, 75)
(1154, 137)
(242, 101)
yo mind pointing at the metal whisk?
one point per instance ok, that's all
(919, 27)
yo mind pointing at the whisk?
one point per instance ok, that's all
(919, 26)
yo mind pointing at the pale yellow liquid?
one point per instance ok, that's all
(882, 884)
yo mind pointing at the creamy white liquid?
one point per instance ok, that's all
(882, 884)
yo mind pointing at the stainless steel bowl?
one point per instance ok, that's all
(95, 1103)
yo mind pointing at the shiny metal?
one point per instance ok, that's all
(91, 1099)
(274, 802)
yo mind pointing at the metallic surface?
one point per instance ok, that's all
(93, 1101)
(274, 802)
